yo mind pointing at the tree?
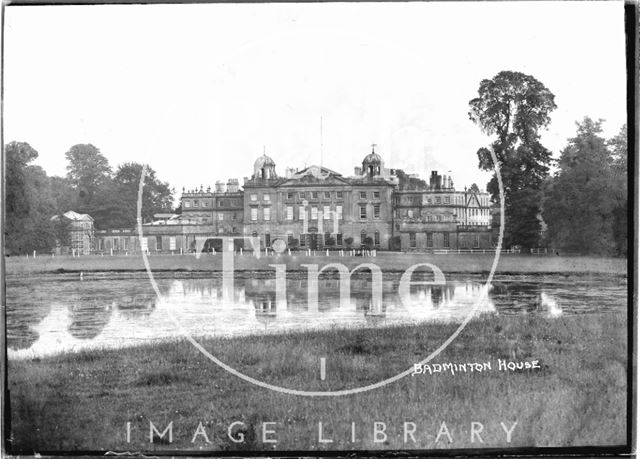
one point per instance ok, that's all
(580, 199)
(88, 171)
(348, 241)
(28, 203)
(620, 179)
(474, 189)
(156, 195)
(515, 107)
(63, 194)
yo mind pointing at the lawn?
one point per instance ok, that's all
(388, 261)
(577, 397)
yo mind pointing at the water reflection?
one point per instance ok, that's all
(51, 316)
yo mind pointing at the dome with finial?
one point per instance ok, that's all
(263, 161)
(372, 163)
(372, 158)
(264, 168)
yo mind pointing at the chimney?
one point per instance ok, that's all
(357, 171)
(289, 171)
(435, 181)
(219, 187)
(232, 186)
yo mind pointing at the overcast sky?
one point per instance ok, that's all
(197, 91)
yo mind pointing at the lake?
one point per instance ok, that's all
(50, 314)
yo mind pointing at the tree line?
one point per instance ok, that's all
(90, 186)
(582, 206)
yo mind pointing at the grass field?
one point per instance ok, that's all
(388, 261)
(576, 398)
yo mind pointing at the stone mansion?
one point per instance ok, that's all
(317, 208)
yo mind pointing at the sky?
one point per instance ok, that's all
(199, 91)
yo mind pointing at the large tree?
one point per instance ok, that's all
(88, 171)
(156, 195)
(28, 202)
(515, 107)
(585, 197)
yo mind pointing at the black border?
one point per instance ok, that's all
(631, 25)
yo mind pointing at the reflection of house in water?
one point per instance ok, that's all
(89, 315)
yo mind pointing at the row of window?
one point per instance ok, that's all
(306, 240)
(205, 203)
(196, 203)
(431, 218)
(446, 240)
(456, 199)
(326, 213)
(314, 195)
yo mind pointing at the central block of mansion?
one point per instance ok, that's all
(317, 208)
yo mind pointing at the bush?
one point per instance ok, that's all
(348, 241)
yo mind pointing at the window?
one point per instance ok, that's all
(326, 212)
(266, 214)
(233, 216)
(376, 195)
(187, 204)
(327, 236)
(429, 240)
(476, 242)
(363, 236)
(266, 197)
(125, 243)
(289, 239)
(196, 203)
(267, 239)
(204, 203)
(339, 239)
(412, 240)
(314, 213)
(339, 194)
(410, 213)
(254, 197)
(301, 213)
(363, 212)
(301, 194)
(429, 200)
(339, 212)
(254, 214)
(289, 212)
(376, 211)
(289, 195)
(438, 218)
(303, 240)
(363, 195)
(327, 194)
(376, 238)
(437, 199)
(220, 217)
(446, 199)
(314, 195)
(158, 242)
(446, 240)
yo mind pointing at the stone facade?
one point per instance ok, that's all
(317, 208)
